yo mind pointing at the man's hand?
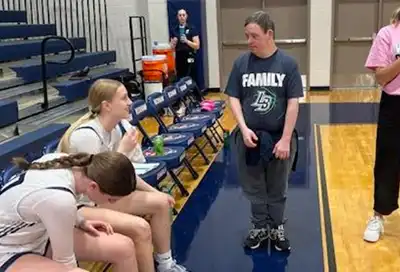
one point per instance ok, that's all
(249, 137)
(282, 149)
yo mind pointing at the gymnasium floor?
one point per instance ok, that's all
(329, 199)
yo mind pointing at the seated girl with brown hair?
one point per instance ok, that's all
(39, 226)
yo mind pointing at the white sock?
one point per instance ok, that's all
(164, 260)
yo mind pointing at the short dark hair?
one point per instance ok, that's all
(262, 19)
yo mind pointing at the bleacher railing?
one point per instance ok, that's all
(73, 18)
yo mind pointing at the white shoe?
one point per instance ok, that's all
(374, 229)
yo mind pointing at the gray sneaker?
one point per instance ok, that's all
(255, 238)
(174, 268)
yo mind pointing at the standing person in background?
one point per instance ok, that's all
(384, 60)
(185, 39)
(264, 87)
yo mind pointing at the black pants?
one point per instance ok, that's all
(387, 156)
(184, 67)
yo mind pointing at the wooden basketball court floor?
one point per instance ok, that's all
(329, 198)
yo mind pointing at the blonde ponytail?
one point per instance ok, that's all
(101, 90)
(395, 19)
(64, 145)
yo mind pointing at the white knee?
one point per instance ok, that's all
(142, 230)
(124, 249)
(162, 203)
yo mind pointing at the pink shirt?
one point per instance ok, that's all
(382, 54)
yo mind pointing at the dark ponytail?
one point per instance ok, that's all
(112, 171)
(65, 162)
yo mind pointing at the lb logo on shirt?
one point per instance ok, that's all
(265, 101)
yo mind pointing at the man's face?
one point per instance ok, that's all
(257, 39)
(182, 17)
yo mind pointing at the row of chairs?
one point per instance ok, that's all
(178, 137)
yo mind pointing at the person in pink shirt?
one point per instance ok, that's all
(384, 60)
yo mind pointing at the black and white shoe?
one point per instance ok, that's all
(279, 239)
(255, 238)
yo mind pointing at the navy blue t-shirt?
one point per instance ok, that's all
(263, 86)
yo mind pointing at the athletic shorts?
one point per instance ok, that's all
(6, 260)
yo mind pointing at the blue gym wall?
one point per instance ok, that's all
(197, 17)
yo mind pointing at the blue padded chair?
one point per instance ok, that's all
(193, 88)
(139, 111)
(179, 92)
(7, 174)
(157, 101)
(51, 147)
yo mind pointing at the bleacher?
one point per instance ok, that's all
(20, 62)
(25, 126)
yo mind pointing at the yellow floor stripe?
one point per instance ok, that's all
(321, 204)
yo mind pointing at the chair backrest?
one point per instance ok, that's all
(30, 145)
(138, 111)
(171, 94)
(8, 173)
(190, 83)
(51, 146)
(156, 102)
(182, 88)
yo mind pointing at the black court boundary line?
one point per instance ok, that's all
(325, 200)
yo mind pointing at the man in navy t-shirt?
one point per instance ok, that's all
(263, 88)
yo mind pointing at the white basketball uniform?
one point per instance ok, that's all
(37, 206)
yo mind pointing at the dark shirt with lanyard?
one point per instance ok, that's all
(189, 31)
(185, 55)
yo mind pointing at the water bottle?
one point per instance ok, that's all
(158, 144)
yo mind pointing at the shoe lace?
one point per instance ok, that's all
(177, 268)
(254, 233)
(374, 223)
(280, 233)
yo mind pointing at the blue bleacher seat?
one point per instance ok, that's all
(13, 16)
(30, 70)
(8, 112)
(25, 31)
(30, 143)
(76, 89)
(18, 50)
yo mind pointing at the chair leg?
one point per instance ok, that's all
(210, 142)
(178, 183)
(206, 160)
(219, 135)
(193, 172)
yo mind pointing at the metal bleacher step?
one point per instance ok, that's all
(12, 16)
(28, 106)
(15, 31)
(66, 113)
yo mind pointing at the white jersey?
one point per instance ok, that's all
(92, 138)
(36, 206)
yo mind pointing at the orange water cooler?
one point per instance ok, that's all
(155, 72)
(169, 52)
